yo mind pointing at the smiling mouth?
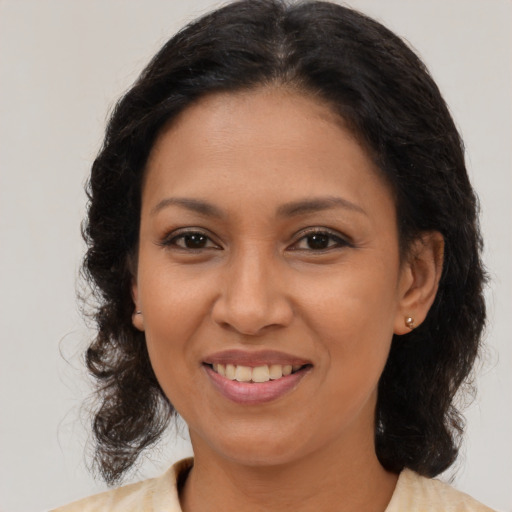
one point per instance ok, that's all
(256, 374)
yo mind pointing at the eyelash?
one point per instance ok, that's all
(339, 241)
(170, 240)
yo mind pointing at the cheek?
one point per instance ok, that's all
(173, 312)
(171, 363)
(172, 300)
(351, 317)
(353, 302)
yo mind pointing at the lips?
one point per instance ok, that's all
(255, 377)
(256, 358)
(263, 373)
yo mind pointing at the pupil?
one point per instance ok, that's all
(318, 241)
(195, 241)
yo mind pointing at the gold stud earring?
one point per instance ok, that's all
(409, 322)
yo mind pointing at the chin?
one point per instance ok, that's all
(259, 450)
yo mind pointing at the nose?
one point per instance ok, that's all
(253, 296)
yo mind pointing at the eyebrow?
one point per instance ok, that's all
(317, 204)
(292, 209)
(194, 205)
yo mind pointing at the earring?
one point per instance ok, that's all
(409, 322)
(138, 312)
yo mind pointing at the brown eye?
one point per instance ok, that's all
(320, 241)
(193, 240)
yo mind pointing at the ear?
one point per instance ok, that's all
(137, 317)
(419, 281)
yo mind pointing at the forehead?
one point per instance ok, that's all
(267, 142)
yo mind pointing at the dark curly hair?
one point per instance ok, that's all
(383, 91)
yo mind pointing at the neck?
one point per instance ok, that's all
(343, 479)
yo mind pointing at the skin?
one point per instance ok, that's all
(257, 283)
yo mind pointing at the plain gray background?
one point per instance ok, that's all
(62, 65)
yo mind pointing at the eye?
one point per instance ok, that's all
(320, 240)
(191, 240)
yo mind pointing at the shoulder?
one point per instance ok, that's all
(415, 493)
(153, 495)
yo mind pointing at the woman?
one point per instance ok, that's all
(285, 247)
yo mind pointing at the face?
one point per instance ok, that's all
(268, 244)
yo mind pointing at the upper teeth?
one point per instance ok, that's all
(255, 374)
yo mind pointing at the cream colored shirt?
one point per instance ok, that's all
(413, 493)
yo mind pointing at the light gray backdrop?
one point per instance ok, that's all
(62, 64)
